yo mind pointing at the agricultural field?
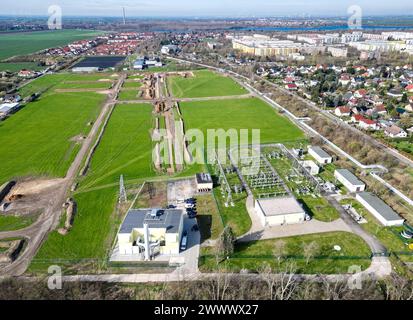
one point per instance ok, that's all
(251, 113)
(204, 84)
(126, 147)
(53, 81)
(40, 138)
(23, 43)
(324, 258)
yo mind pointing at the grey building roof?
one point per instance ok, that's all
(380, 206)
(165, 218)
(350, 177)
(320, 152)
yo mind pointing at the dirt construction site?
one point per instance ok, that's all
(29, 196)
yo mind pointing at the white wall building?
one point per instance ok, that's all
(279, 211)
(311, 167)
(379, 209)
(320, 155)
(349, 180)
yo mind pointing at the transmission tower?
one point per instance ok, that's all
(122, 190)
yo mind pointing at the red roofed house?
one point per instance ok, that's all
(409, 88)
(291, 86)
(343, 111)
(380, 109)
(360, 93)
(368, 124)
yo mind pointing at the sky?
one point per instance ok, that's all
(202, 8)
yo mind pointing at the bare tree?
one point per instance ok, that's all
(310, 250)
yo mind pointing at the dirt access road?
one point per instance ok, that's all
(49, 219)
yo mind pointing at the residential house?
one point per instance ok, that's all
(343, 111)
(395, 132)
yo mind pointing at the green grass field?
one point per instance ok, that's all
(204, 84)
(17, 66)
(9, 222)
(17, 44)
(126, 147)
(132, 85)
(251, 113)
(252, 255)
(90, 236)
(128, 95)
(84, 85)
(37, 139)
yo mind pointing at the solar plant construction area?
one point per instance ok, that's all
(100, 63)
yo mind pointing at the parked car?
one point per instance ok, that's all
(189, 205)
(171, 206)
(195, 228)
(184, 241)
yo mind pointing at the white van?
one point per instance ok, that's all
(184, 242)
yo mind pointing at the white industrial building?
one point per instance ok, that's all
(349, 180)
(279, 211)
(147, 232)
(379, 209)
(204, 182)
(320, 155)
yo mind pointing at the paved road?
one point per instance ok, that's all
(380, 268)
(49, 219)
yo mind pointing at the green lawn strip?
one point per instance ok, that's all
(126, 147)
(205, 83)
(240, 114)
(209, 219)
(131, 85)
(11, 222)
(319, 208)
(90, 238)
(252, 255)
(22, 43)
(84, 85)
(128, 95)
(38, 140)
(236, 216)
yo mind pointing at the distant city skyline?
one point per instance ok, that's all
(210, 8)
